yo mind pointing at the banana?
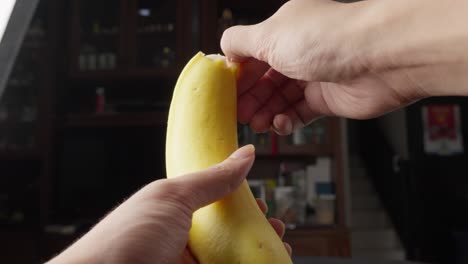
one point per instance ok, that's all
(201, 132)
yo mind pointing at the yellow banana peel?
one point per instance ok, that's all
(201, 132)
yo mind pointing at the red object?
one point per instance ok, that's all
(441, 122)
(274, 144)
(100, 101)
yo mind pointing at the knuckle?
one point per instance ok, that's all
(264, 44)
(226, 173)
(226, 40)
(224, 170)
(173, 193)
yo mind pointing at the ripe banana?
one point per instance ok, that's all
(201, 132)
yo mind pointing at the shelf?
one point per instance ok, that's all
(247, 5)
(113, 75)
(103, 35)
(169, 72)
(319, 242)
(289, 157)
(305, 150)
(34, 45)
(19, 155)
(140, 119)
(294, 151)
(312, 228)
(156, 34)
(12, 125)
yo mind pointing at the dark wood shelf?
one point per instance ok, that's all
(34, 45)
(319, 241)
(248, 5)
(102, 35)
(156, 34)
(288, 157)
(139, 119)
(286, 151)
(305, 150)
(120, 74)
(146, 72)
(26, 154)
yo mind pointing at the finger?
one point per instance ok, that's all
(258, 95)
(289, 94)
(205, 187)
(249, 73)
(187, 257)
(278, 226)
(263, 206)
(297, 116)
(240, 42)
(316, 98)
(288, 248)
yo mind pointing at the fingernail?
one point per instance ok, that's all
(287, 128)
(244, 152)
(274, 126)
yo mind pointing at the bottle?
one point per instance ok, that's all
(225, 21)
(298, 137)
(282, 175)
(102, 61)
(111, 60)
(96, 27)
(100, 100)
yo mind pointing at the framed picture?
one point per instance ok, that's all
(442, 129)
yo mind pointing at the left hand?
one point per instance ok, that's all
(153, 225)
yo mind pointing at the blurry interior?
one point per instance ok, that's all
(82, 126)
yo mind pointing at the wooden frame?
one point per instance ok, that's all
(127, 52)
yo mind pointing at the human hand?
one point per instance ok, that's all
(360, 60)
(152, 225)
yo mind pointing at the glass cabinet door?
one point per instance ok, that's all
(19, 105)
(156, 37)
(97, 35)
(314, 138)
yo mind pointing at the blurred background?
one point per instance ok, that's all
(82, 127)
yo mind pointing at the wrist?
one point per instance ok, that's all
(412, 46)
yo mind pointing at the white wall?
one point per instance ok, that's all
(6, 6)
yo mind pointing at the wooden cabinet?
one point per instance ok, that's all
(216, 15)
(19, 247)
(125, 38)
(325, 242)
(317, 139)
(273, 151)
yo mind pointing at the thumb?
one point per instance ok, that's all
(207, 186)
(242, 42)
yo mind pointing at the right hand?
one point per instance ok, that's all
(317, 58)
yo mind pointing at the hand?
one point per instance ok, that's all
(153, 225)
(361, 60)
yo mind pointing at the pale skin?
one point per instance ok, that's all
(312, 58)
(317, 58)
(152, 226)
